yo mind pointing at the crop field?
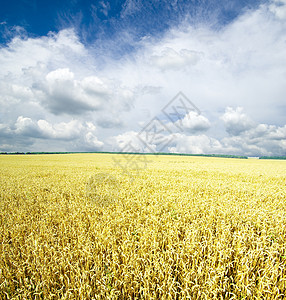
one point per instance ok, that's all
(79, 226)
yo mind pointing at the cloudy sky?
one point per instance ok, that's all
(200, 76)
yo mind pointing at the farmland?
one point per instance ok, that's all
(75, 226)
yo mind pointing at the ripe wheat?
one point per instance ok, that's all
(76, 227)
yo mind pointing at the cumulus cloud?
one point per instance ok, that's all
(193, 122)
(26, 127)
(92, 142)
(195, 144)
(157, 136)
(245, 137)
(236, 121)
(257, 146)
(252, 143)
(38, 75)
(154, 136)
(44, 129)
(61, 93)
(126, 142)
(33, 130)
(51, 51)
(250, 138)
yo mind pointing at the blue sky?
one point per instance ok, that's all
(95, 20)
(89, 75)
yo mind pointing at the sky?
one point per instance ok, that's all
(199, 77)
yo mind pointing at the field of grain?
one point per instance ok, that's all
(74, 226)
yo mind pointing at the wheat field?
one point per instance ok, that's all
(75, 226)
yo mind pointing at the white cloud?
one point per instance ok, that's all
(44, 129)
(61, 93)
(26, 127)
(171, 59)
(75, 131)
(193, 122)
(236, 121)
(245, 138)
(52, 50)
(196, 144)
(126, 142)
(63, 131)
(252, 139)
(278, 8)
(52, 87)
(257, 141)
(92, 142)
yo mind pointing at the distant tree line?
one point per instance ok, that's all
(157, 153)
(133, 153)
(272, 157)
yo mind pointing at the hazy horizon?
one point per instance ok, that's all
(82, 76)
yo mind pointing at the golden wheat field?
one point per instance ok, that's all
(74, 226)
